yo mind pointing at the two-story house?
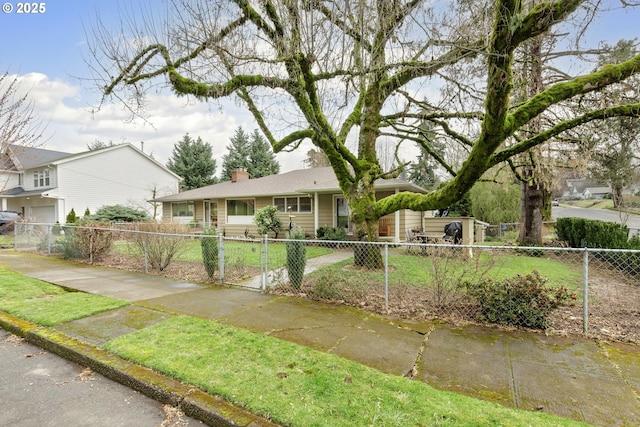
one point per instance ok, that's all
(44, 185)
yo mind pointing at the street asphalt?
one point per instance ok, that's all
(41, 389)
(585, 380)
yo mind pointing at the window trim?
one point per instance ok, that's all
(286, 204)
(41, 178)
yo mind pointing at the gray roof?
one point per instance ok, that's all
(28, 157)
(597, 190)
(20, 192)
(322, 180)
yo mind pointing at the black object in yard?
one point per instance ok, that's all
(453, 232)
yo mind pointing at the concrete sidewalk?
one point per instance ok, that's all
(589, 381)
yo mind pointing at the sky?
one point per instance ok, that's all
(48, 51)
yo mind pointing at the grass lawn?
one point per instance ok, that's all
(6, 240)
(420, 270)
(46, 304)
(248, 253)
(298, 386)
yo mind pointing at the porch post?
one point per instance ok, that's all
(4, 203)
(316, 208)
(396, 228)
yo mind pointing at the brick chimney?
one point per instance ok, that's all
(238, 175)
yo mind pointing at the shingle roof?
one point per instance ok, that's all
(297, 181)
(597, 190)
(28, 157)
(19, 191)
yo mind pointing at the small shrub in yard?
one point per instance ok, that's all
(90, 241)
(159, 243)
(331, 233)
(296, 256)
(72, 218)
(519, 300)
(210, 254)
(267, 220)
(326, 286)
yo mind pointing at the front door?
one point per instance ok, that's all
(211, 214)
(342, 214)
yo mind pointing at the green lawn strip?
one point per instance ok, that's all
(46, 304)
(298, 386)
(18, 287)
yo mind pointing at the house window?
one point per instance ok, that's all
(182, 210)
(293, 204)
(241, 207)
(41, 178)
(240, 211)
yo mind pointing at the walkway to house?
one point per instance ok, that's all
(280, 274)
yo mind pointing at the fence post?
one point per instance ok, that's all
(266, 262)
(146, 258)
(90, 247)
(49, 237)
(221, 258)
(585, 291)
(261, 250)
(386, 276)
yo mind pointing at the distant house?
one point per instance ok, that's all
(44, 185)
(596, 192)
(583, 188)
(311, 198)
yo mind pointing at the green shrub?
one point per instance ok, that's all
(267, 220)
(581, 233)
(210, 251)
(326, 286)
(119, 213)
(331, 233)
(72, 218)
(519, 300)
(296, 256)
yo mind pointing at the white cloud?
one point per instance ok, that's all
(73, 123)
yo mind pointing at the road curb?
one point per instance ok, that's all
(195, 403)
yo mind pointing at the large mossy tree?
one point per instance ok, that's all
(347, 74)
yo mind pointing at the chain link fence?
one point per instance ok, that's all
(595, 292)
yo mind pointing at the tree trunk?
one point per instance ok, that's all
(367, 255)
(618, 201)
(531, 207)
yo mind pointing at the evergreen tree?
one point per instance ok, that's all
(98, 145)
(262, 160)
(250, 152)
(237, 154)
(422, 172)
(193, 161)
